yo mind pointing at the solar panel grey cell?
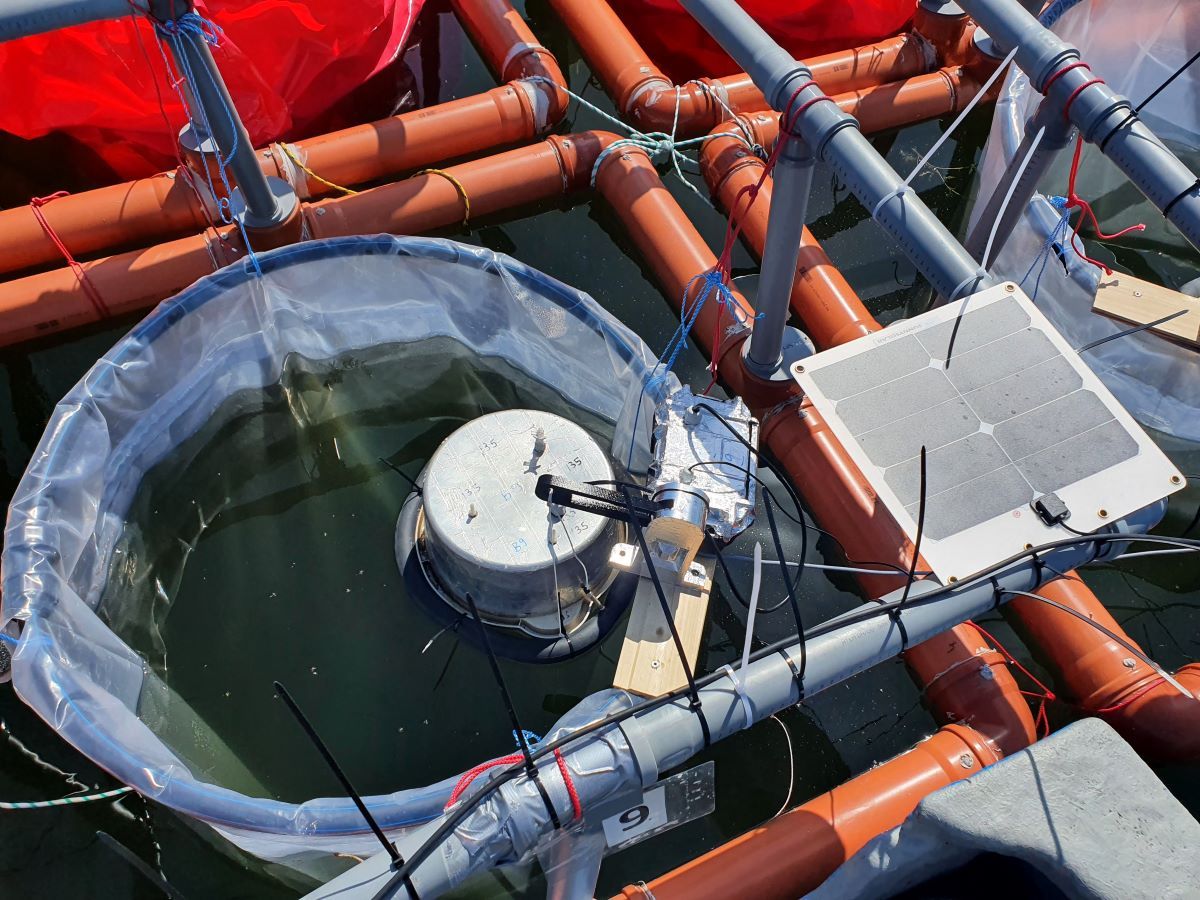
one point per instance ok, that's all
(946, 467)
(895, 400)
(974, 329)
(1078, 457)
(976, 501)
(1017, 394)
(935, 427)
(999, 359)
(852, 376)
(1013, 414)
(1024, 435)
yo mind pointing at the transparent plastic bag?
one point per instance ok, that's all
(1134, 47)
(162, 383)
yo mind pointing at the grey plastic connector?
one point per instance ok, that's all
(834, 138)
(1103, 117)
(263, 205)
(22, 18)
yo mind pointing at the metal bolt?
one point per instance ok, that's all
(1129, 662)
(740, 154)
(566, 143)
(320, 210)
(654, 664)
(171, 175)
(1137, 293)
(267, 154)
(966, 760)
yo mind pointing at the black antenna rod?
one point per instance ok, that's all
(531, 769)
(388, 846)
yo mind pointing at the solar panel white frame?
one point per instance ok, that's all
(1012, 385)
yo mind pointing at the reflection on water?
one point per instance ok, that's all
(261, 549)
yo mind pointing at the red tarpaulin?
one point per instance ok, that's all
(805, 27)
(286, 62)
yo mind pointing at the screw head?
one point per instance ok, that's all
(1129, 662)
(966, 760)
(654, 664)
(1137, 293)
(320, 210)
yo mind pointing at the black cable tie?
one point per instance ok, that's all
(697, 707)
(997, 592)
(1132, 114)
(797, 675)
(894, 615)
(1166, 211)
(531, 769)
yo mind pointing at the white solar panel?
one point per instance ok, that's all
(1007, 413)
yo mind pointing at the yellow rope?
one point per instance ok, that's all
(310, 173)
(458, 186)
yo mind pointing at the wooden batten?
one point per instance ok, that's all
(1133, 300)
(649, 663)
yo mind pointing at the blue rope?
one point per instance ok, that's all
(530, 738)
(173, 31)
(714, 283)
(1052, 243)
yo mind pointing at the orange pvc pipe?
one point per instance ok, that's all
(792, 854)
(139, 211)
(1101, 677)
(164, 206)
(647, 97)
(53, 301)
(831, 311)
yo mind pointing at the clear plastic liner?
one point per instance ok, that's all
(160, 384)
(1134, 47)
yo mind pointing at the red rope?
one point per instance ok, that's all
(470, 775)
(1041, 720)
(35, 206)
(1124, 703)
(733, 226)
(1075, 201)
(576, 805)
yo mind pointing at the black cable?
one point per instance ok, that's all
(853, 617)
(307, 726)
(791, 587)
(693, 691)
(1162, 87)
(1129, 646)
(530, 767)
(1129, 331)
(412, 482)
(787, 486)
(916, 555)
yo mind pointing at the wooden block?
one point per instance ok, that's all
(649, 663)
(1133, 300)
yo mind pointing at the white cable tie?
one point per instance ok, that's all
(740, 690)
(890, 195)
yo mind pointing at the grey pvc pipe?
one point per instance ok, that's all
(208, 89)
(834, 138)
(669, 735)
(785, 228)
(22, 18)
(1103, 117)
(1057, 136)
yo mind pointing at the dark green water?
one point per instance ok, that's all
(337, 607)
